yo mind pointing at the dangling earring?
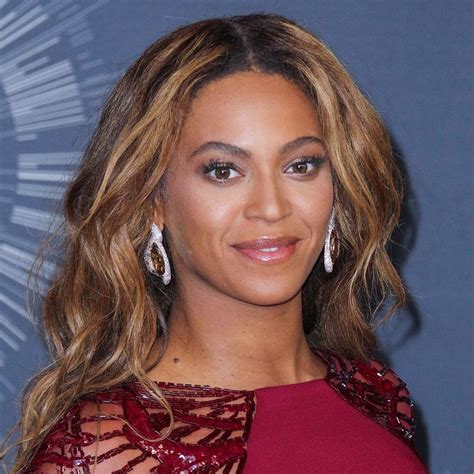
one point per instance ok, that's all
(155, 256)
(331, 245)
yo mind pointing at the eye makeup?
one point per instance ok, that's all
(212, 165)
(315, 160)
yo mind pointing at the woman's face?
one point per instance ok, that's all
(249, 165)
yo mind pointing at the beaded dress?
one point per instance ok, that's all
(359, 418)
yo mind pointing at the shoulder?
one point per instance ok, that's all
(375, 389)
(120, 429)
(93, 430)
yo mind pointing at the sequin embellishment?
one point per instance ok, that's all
(375, 390)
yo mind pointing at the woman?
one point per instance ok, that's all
(226, 236)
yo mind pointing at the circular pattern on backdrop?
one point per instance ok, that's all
(52, 85)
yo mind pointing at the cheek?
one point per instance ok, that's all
(199, 221)
(314, 208)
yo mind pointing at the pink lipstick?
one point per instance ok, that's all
(267, 249)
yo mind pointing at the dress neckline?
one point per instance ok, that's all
(182, 385)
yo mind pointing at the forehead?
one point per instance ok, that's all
(247, 105)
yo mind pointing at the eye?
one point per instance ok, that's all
(221, 169)
(312, 162)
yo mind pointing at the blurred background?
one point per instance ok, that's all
(412, 59)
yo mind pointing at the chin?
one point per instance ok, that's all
(268, 296)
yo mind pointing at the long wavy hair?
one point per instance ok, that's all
(103, 314)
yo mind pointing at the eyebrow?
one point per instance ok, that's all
(242, 153)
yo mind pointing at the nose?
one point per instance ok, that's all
(267, 199)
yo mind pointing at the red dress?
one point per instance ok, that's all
(358, 419)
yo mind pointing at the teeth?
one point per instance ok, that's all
(273, 249)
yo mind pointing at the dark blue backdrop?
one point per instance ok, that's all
(412, 59)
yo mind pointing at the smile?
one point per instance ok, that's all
(275, 254)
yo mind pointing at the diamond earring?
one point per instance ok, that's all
(155, 256)
(331, 245)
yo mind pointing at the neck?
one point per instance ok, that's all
(223, 342)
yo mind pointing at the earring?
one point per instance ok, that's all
(155, 256)
(331, 245)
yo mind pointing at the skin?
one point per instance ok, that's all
(237, 323)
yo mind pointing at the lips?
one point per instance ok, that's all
(267, 242)
(268, 251)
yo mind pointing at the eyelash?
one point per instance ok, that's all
(213, 164)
